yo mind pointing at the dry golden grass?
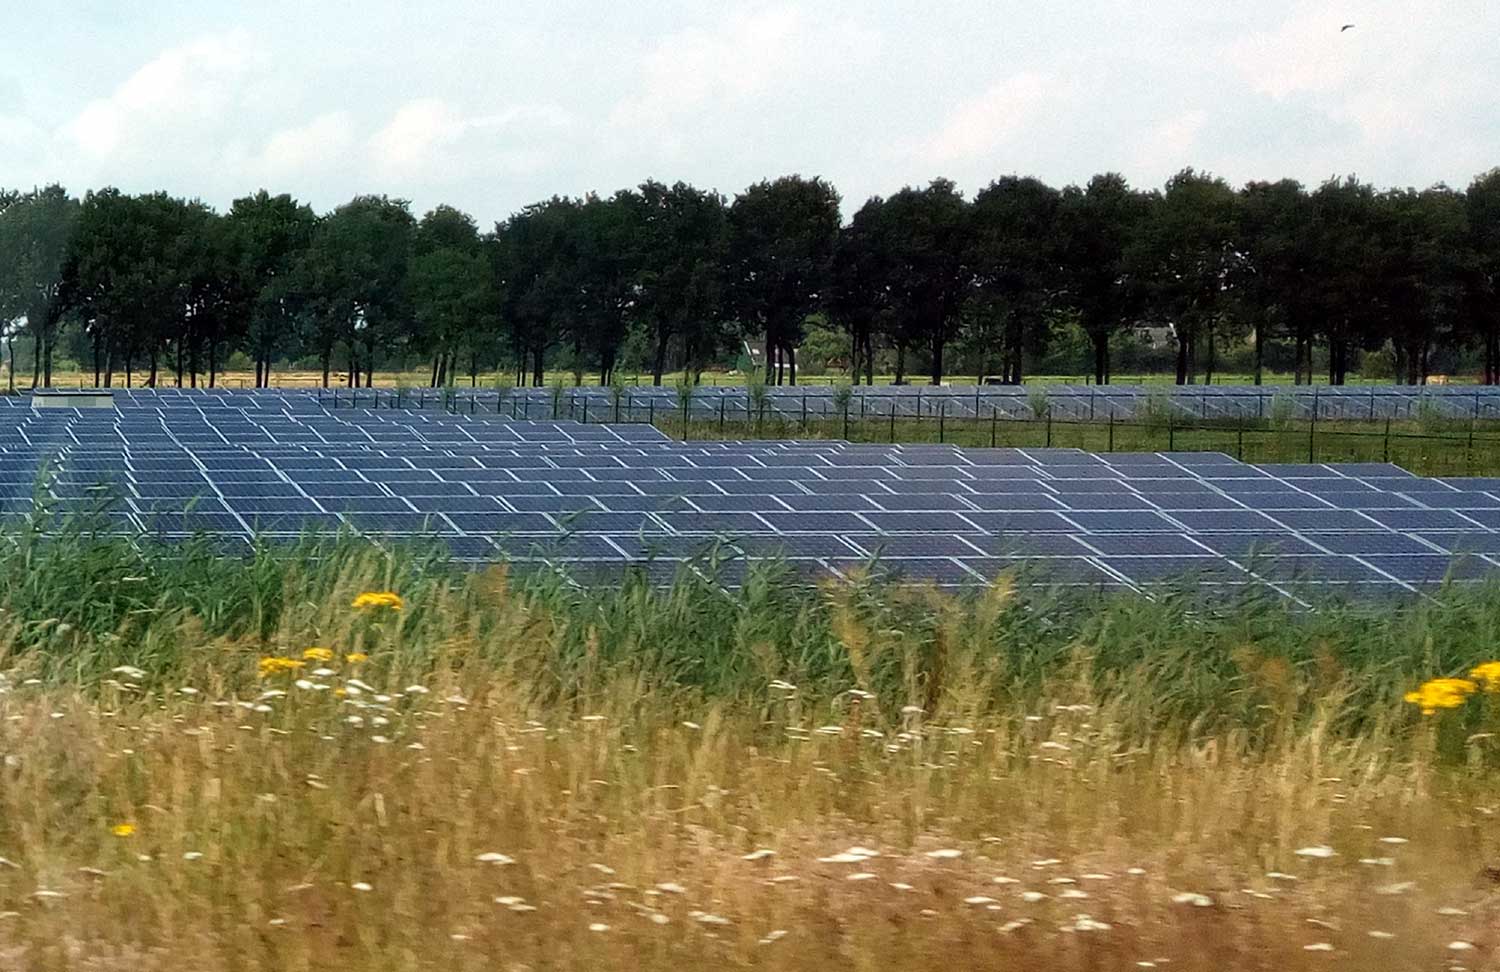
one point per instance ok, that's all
(510, 780)
(357, 822)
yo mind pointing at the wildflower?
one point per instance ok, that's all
(1441, 693)
(1487, 675)
(123, 829)
(1320, 850)
(362, 886)
(273, 666)
(378, 599)
(356, 657)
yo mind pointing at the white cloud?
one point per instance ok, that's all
(978, 127)
(319, 144)
(183, 87)
(693, 68)
(1306, 53)
(1171, 144)
(431, 137)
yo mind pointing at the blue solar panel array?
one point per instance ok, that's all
(1065, 402)
(602, 497)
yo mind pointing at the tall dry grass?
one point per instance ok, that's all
(519, 776)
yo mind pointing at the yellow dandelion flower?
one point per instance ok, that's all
(274, 666)
(318, 654)
(1487, 675)
(123, 829)
(355, 657)
(1441, 693)
(379, 599)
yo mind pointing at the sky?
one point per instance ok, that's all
(489, 105)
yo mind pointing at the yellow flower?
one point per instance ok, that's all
(272, 666)
(1441, 693)
(123, 829)
(318, 654)
(1487, 675)
(379, 599)
(355, 657)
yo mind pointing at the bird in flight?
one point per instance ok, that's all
(1346, 27)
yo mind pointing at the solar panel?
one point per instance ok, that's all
(284, 462)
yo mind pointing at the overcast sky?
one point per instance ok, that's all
(489, 105)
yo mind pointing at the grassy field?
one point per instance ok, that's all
(207, 764)
(1429, 449)
(420, 378)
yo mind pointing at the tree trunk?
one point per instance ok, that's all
(937, 360)
(47, 366)
(213, 362)
(97, 342)
(10, 348)
(437, 360)
(770, 357)
(538, 374)
(327, 362)
(179, 362)
(659, 360)
(900, 364)
(36, 360)
(1260, 350)
(151, 381)
(791, 358)
(1101, 357)
(1182, 357)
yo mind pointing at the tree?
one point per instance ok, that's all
(782, 237)
(270, 236)
(679, 280)
(1352, 249)
(535, 256)
(35, 231)
(925, 238)
(1189, 254)
(452, 291)
(1097, 227)
(1013, 254)
(1420, 265)
(1482, 202)
(1273, 278)
(861, 295)
(352, 282)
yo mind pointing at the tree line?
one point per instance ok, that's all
(161, 289)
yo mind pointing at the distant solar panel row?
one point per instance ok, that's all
(734, 403)
(600, 498)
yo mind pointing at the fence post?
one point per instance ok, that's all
(893, 419)
(942, 420)
(846, 421)
(1111, 430)
(1239, 444)
(474, 403)
(1092, 390)
(1049, 426)
(651, 412)
(335, 398)
(1312, 433)
(1387, 452)
(585, 410)
(994, 423)
(803, 423)
(1171, 433)
(1470, 453)
(722, 400)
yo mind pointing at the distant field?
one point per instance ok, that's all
(422, 377)
(216, 766)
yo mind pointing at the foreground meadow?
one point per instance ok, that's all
(340, 758)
